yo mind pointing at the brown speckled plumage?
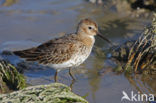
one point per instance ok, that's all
(54, 51)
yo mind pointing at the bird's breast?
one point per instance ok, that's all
(82, 54)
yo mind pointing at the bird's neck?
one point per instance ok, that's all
(87, 39)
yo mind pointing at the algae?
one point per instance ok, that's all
(52, 93)
(10, 78)
(139, 56)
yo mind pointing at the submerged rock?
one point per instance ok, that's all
(52, 93)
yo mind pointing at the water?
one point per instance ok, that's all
(27, 23)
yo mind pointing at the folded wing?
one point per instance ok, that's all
(54, 51)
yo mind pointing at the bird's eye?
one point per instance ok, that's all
(89, 27)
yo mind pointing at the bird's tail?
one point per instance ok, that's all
(28, 54)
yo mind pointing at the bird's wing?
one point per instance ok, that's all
(54, 51)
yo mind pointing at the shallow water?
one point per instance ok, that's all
(27, 23)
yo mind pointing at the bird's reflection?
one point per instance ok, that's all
(93, 74)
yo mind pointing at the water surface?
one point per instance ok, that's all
(27, 23)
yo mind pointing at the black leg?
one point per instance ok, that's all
(72, 83)
(71, 74)
(55, 77)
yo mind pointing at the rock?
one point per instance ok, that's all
(9, 2)
(92, 1)
(135, 4)
(52, 93)
(133, 8)
(10, 78)
(139, 55)
(146, 4)
(96, 1)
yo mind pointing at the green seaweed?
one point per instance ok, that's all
(52, 93)
(10, 78)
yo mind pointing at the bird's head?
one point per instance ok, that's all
(88, 27)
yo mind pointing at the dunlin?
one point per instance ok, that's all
(65, 52)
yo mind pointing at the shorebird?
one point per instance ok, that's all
(65, 52)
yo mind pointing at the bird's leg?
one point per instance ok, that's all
(55, 76)
(71, 85)
(71, 74)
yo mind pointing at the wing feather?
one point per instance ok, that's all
(54, 51)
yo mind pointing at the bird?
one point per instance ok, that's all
(66, 52)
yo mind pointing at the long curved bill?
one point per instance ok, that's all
(104, 38)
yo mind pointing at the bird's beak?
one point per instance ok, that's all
(104, 38)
